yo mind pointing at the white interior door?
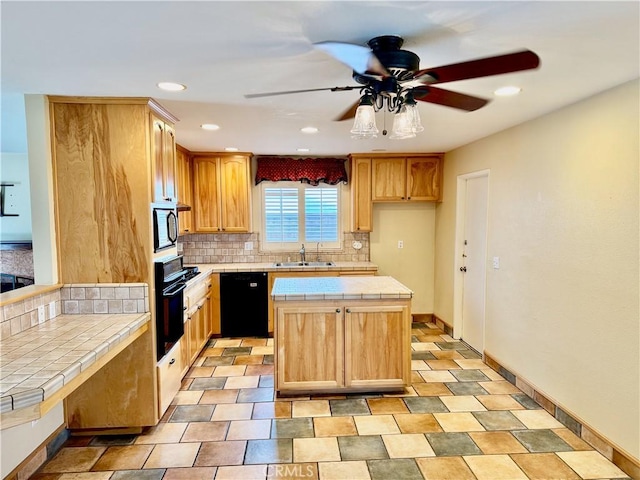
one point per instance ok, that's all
(474, 261)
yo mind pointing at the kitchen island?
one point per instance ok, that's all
(341, 334)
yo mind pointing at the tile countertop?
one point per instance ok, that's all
(339, 288)
(270, 267)
(38, 362)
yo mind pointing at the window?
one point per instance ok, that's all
(300, 213)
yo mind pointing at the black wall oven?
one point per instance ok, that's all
(170, 284)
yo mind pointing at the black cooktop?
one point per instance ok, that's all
(190, 272)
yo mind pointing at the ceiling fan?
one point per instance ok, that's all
(391, 76)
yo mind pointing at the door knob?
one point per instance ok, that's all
(463, 269)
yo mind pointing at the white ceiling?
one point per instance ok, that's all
(223, 50)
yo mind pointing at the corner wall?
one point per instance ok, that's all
(562, 311)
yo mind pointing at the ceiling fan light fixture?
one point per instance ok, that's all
(364, 124)
(402, 125)
(411, 107)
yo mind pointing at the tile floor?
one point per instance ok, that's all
(460, 420)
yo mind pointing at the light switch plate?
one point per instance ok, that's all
(496, 263)
(400, 244)
(52, 310)
(41, 314)
(248, 246)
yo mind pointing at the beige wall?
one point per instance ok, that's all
(413, 265)
(562, 311)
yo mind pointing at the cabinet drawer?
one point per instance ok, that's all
(196, 293)
(169, 371)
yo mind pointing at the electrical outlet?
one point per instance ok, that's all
(400, 244)
(41, 314)
(496, 263)
(52, 310)
(248, 246)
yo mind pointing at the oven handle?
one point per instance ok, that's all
(173, 290)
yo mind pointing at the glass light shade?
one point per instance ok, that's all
(364, 125)
(414, 117)
(402, 125)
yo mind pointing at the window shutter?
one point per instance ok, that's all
(281, 213)
(321, 214)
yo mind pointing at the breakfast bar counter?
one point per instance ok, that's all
(341, 334)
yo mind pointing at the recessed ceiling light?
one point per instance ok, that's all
(171, 86)
(210, 126)
(231, 149)
(309, 130)
(303, 149)
(507, 91)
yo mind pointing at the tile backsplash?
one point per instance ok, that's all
(19, 316)
(229, 248)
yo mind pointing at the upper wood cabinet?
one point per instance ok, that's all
(184, 189)
(163, 149)
(361, 211)
(406, 178)
(221, 187)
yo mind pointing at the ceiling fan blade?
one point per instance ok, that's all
(287, 92)
(483, 67)
(360, 59)
(448, 98)
(349, 113)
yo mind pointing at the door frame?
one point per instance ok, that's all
(458, 277)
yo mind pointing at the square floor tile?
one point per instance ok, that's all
(498, 420)
(249, 429)
(422, 356)
(472, 364)
(162, 433)
(535, 419)
(172, 455)
(187, 397)
(591, 465)
(315, 450)
(334, 426)
(423, 346)
(248, 360)
(365, 447)
(106, 441)
(249, 395)
(395, 468)
(205, 432)
(425, 405)
(229, 371)
(452, 443)
(447, 355)
(497, 442)
(212, 397)
(451, 345)
(241, 382)
(349, 407)
(207, 384)
(376, 425)
(494, 467)
(408, 445)
(442, 364)
(292, 428)
(254, 342)
(464, 387)
(259, 369)
(417, 423)
(153, 474)
(356, 470)
(526, 401)
(500, 387)
(217, 361)
(242, 472)
(544, 466)
(386, 405)
(572, 439)
(192, 413)
(499, 402)
(439, 376)
(463, 403)
(73, 459)
(221, 453)
(266, 381)
(458, 422)
(233, 351)
(228, 342)
(279, 450)
(123, 458)
(232, 411)
(200, 372)
(431, 389)
(538, 441)
(310, 408)
(444, 468)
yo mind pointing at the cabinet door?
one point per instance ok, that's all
(157, 134)
(377, 346)
(312, 338)
(203, 327)
(169, 163)
(206, 194)
(361, 195)
(214, 310)
(423, 178)
(235, 199)
(184, 193)
(169, 372)
(185, 349)
(194, 335)
(388, 179)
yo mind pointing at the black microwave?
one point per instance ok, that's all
(165, 228)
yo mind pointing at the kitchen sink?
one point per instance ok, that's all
(304, 264)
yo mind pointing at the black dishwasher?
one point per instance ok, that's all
(244, 304)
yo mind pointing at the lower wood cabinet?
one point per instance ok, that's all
(169, 371)
(331, 346)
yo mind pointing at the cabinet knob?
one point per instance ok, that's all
(401, 198)
(199, 307)
(348, 310)
(186, 229)
(337, 310)
(173, 360)
(408, 198)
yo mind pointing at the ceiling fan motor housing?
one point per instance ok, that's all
(400, 63)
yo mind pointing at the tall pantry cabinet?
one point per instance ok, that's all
(111, 158)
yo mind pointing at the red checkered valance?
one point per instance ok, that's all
(306, 170)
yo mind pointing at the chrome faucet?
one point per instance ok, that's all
(303, 254)
(318, 252)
